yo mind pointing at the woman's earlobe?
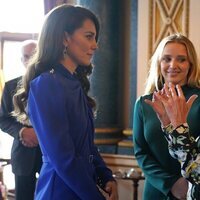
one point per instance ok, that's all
(66, 36)
(65, 42)
(66, 39)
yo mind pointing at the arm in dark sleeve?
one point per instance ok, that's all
(154, 172)
(183, 147)
(103, 172)
(8, 123)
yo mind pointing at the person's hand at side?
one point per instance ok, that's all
(29, 138)
(111, 188)
(180, 188)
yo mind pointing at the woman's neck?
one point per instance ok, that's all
(69, 65)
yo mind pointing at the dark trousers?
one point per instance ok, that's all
(25, 187)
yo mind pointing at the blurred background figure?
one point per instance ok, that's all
(25, 154)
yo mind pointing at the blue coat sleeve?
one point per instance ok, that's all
(104, 173)
(50, 119)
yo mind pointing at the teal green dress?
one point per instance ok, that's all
(151, 148)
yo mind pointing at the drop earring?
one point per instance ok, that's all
(65, 52)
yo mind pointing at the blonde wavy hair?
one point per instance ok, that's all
(155, 80)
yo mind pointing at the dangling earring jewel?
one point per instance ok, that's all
(65, 52)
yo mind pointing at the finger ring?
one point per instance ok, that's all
(169, 94)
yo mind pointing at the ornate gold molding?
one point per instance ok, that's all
(125, 143)
(127, 132)
(107, 141)
(167, 17)
(107, 130)
(120, 160)
(107, 135)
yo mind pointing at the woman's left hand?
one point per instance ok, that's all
(176, 106)
(111, 188)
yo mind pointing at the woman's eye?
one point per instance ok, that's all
(89, 37)
(182, 59)
(166, 59)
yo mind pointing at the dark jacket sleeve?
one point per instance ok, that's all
(182, 146)
(8, 123)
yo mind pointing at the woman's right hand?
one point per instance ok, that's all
(171, 106)
(180, 188)
(176, 106)
(111, 188)
(158, 107)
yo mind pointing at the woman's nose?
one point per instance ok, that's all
(173, 63)
(94, 45)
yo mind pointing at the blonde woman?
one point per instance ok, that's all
(174, 61)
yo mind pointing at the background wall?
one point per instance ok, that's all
(130, 31)
(121, 67)
(144, 32)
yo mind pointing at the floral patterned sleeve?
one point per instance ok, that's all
(183, 147)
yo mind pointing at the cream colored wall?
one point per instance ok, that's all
(194, 24)
(142, 53)
(143, 34)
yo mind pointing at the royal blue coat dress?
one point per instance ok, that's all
(63, 120)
